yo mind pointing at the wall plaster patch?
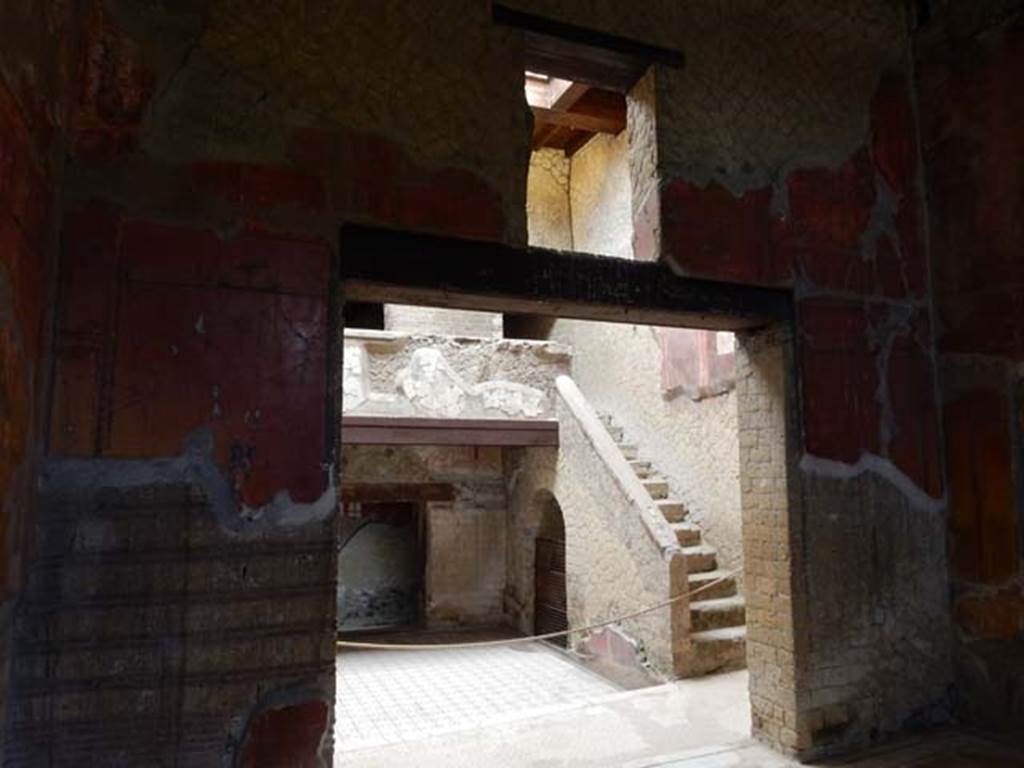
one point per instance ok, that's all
(871, 463)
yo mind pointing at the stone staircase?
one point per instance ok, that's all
(718, 630)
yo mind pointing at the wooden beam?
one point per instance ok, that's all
(544, 134)
(392, 430)
(579, 113)
(579, 121)
(408, 268)
(371, 492)
(581, 54)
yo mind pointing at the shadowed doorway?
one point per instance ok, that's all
(380, 567)
(550, 611)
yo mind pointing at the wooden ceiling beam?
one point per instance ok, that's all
(544, 134)
(603, 123)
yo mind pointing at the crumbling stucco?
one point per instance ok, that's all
(450, 377)
(266, 84)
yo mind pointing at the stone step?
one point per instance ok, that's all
(629, 450)
(719, 650)
(726, 588)
(717, 614)
(613, 427)
(700, 558)
(673, 510)
(687, 534)
(657, 487)
(641, 467)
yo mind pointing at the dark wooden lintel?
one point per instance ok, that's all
(376, 492)
(581, 54)
(408, 268)
(393, 430)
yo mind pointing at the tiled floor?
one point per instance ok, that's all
(572, 720)
(702, 720)
(389, 697)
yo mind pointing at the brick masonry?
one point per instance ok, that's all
(770, 530)
(149, 634)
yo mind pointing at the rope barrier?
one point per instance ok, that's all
(531, 638)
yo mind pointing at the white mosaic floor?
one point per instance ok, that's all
(389, 697)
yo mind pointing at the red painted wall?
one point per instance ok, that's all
(24, 203)
(166, 329)
(850, 240)
(169, 325)
(193, 294)
(36, 51)
(972, 119)
(970, 71)
(37, 43)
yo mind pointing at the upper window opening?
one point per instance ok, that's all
(576, 78)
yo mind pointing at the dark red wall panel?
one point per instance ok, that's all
(973, 126)
(167, 330)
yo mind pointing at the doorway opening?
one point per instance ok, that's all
(381, 566)
(550, 611)
(559, 483)
(491, 432)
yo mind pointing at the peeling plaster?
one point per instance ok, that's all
(882, 337)
(195, 465)
(288, 696)
(881, 467)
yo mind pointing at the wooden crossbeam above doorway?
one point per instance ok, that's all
(408, 268)
(394, 430)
